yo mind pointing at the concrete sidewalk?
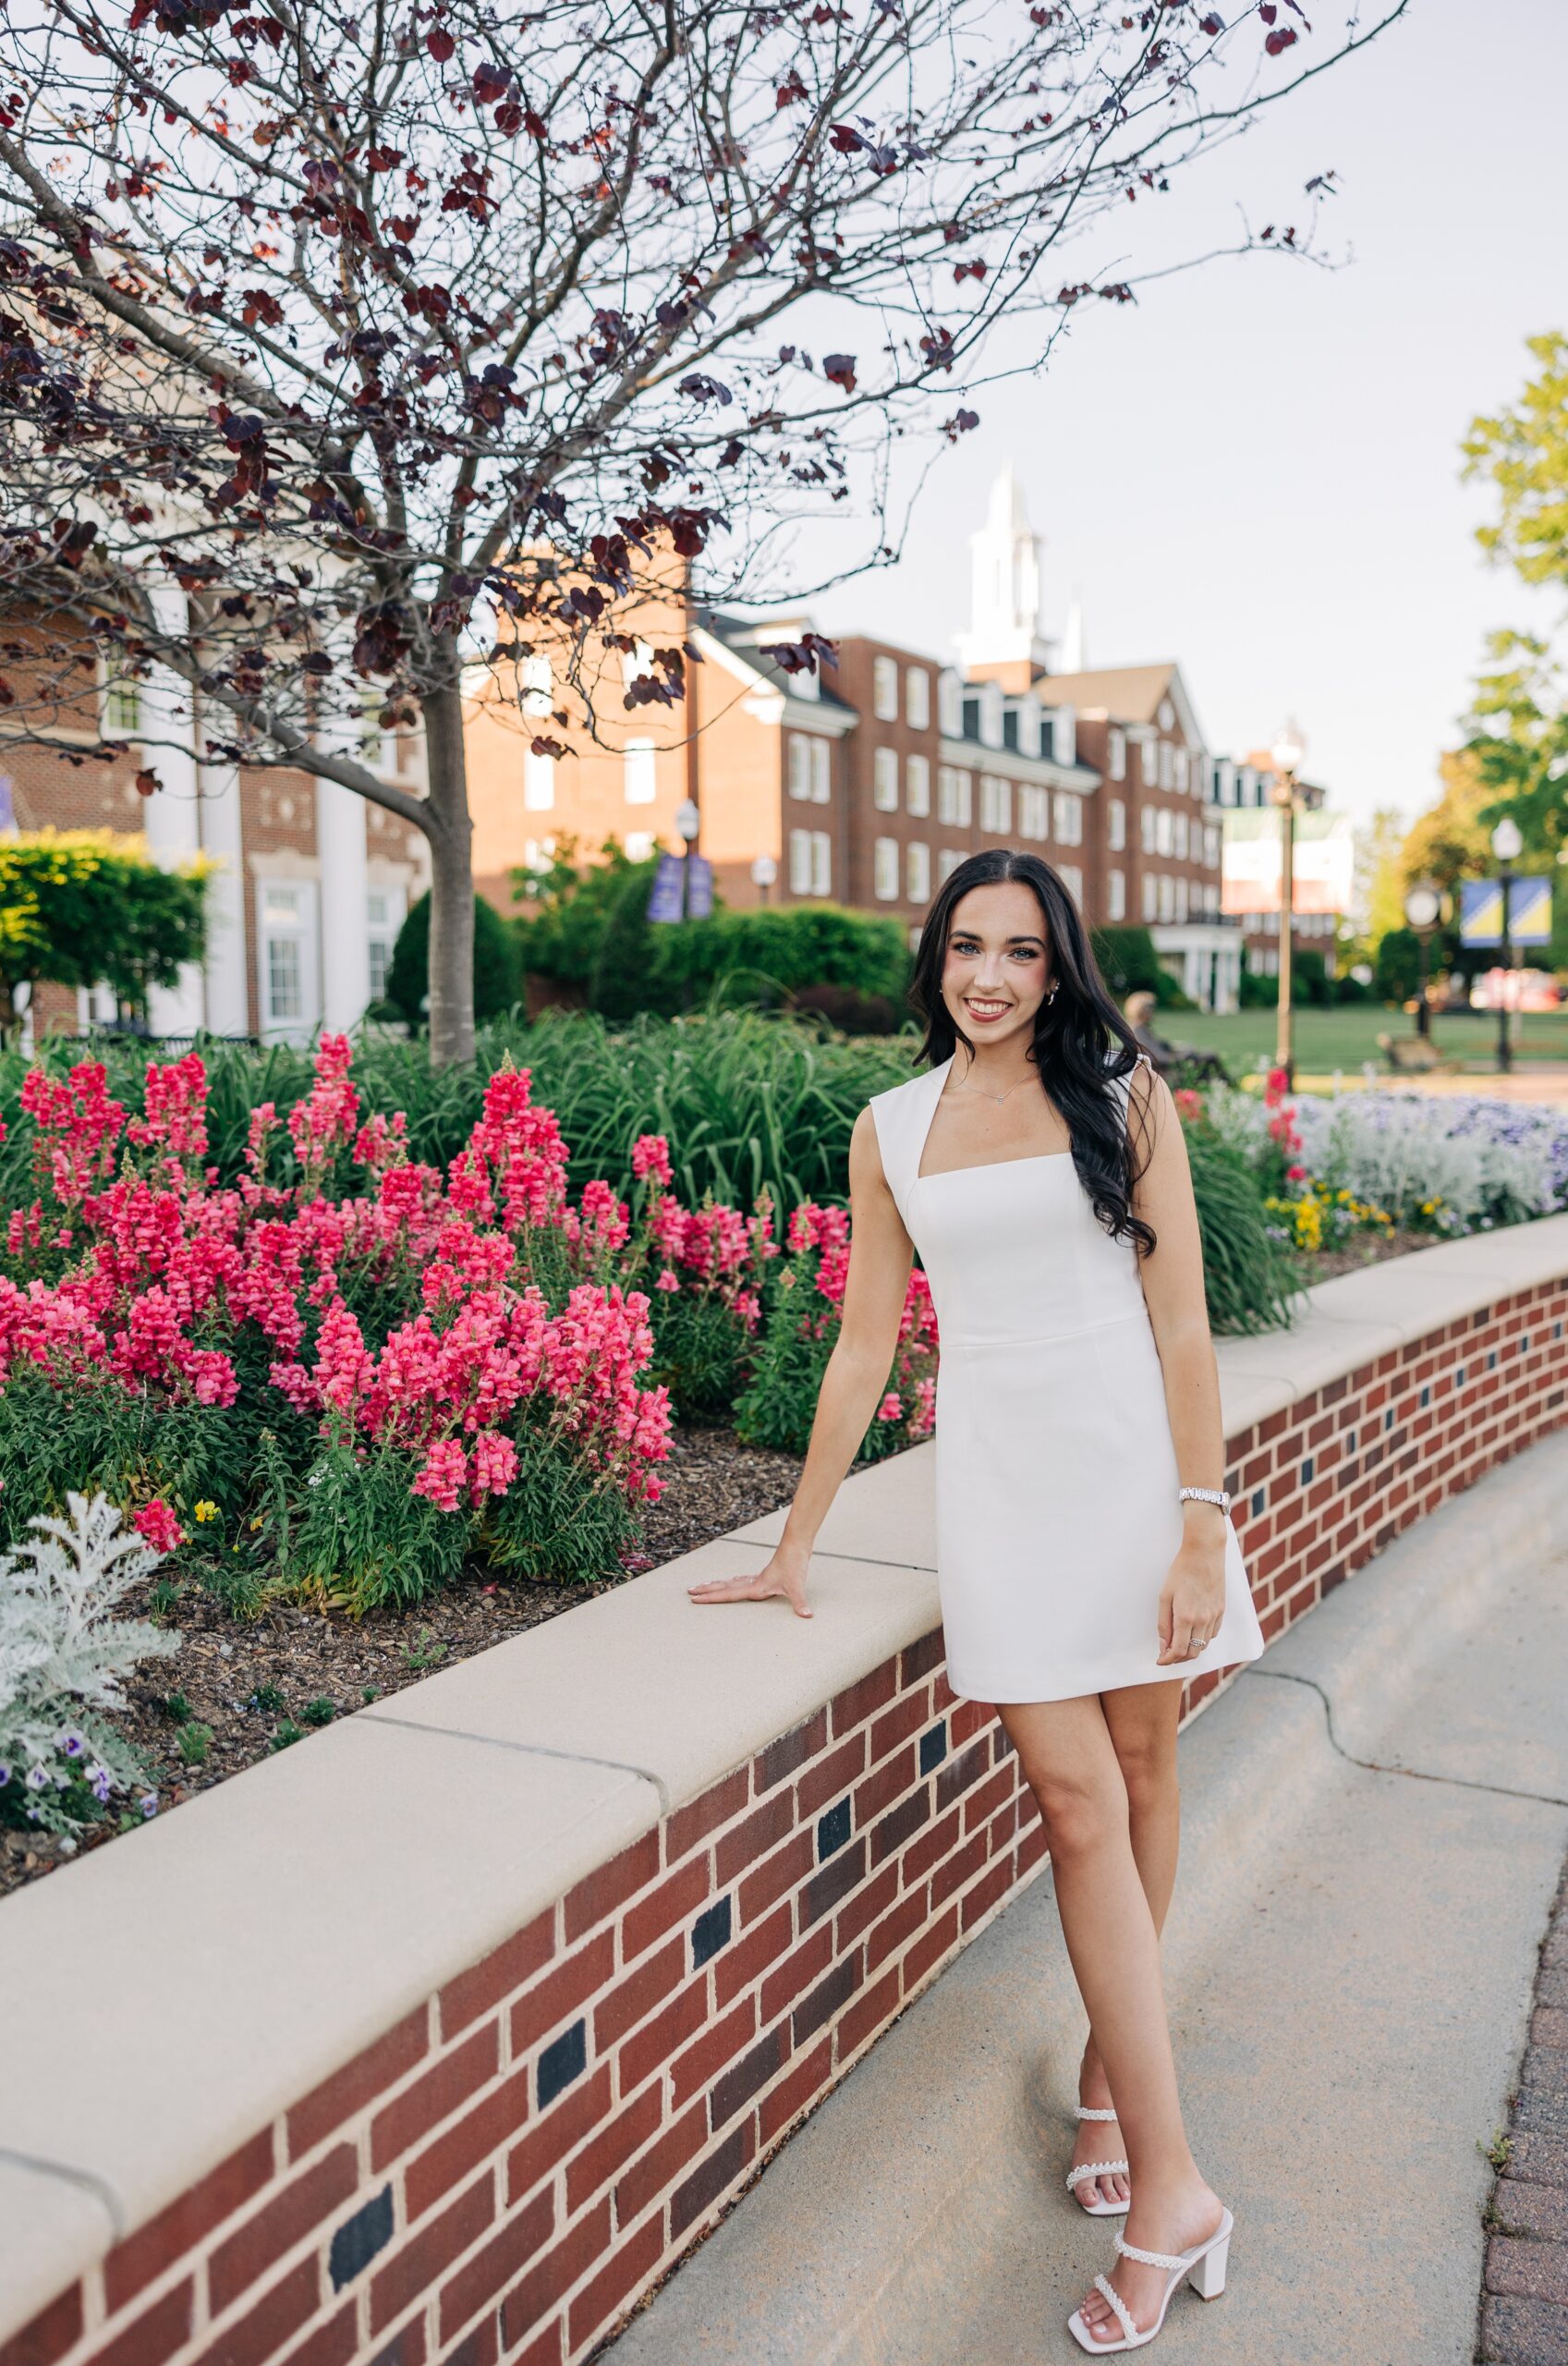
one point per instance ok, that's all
(1374, 1820)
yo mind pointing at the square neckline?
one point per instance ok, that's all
(982, 1166)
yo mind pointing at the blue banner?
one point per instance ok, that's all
(664, 902)
(1529, 912)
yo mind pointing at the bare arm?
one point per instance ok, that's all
(855, 1380)
(1193, 1600)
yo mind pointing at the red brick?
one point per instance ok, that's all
(899, 1824)
(883, 1785)
(670, 1903)
(864, 1905)
(868, 2014)
(843, 1872)
(762, 1829)
(716, 2045)
(791, 1750)
(613, 2146)
(407, 2346)
(905, 1719)
(970, 1717)
(780, 2105)
(633, 1998)
(828, 1998)
(605, 2295)
(333, 2344)
(735, 2088)
(660, 2165)
(654, 2043)
(267, 2323)
(829, 1775)
(480, 2279)
(929, 1948)
(943, 1694)
(410, 2272)
(741, 1962)
(480, 2132)
(856, 1702)
(783, 1871)
(712, 2178)
(890, 1934)
(358, 2083)
(49, 2335)
(179, 2227)
(782, 1986)
(983, 1803)
(704, 1814)
(610, 1886)
(571, 2118)
(548, 2350)
(932, 1846)
(960, 1772)
(987, 1891)
(1032, 1849)
(529, 2303)
(557, 1997)
(918, 1659)
(292, 2214)
(435, 2096)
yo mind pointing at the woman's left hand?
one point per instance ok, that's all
(1192, 1601)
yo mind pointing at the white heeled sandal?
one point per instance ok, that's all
(1088, 2169)
(1205, 2263)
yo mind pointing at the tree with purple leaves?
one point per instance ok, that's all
(344, 350)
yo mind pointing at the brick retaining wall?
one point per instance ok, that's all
(503, 2173)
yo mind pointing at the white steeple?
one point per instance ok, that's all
(1073, 660)
(1005, 596)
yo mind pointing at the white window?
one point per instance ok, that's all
(121, 704)
(1073, 880)
(1150, 896)
(800, 862)
(996, 804)
(1179, 824)
(1210, 846)
(947, 862)
(953, 796)
(636, 661)
(1163, 830)
(1148, 763)
(1145, 828)
(885, 870)
(799, 767)
(1180, 887)
(1116, 894)
(641, 845)
(639, 774)
(1167, 765)
(821, 771)
(885, 780)
(918, 782)
(1167, 897)
(1181, 768)
(884, 690)
(1069, 819)
(917, 698)
(822, 864)
(1116, 754)
(1116, 824)
(950, 704)
(384, 917)
(286, 948)
(1034, 812)
(918, 873)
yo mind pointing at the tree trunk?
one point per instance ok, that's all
(451, 880)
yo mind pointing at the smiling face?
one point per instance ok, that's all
(997, 965)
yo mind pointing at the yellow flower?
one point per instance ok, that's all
(206, 1509)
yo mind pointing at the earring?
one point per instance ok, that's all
(1052, 995)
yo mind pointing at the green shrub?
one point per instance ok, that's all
(497, 983)
(1128, 962)
(1255, 992)
(1248, 1275)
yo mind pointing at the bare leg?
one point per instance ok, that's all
(1142, 1720)
(1070, 1763)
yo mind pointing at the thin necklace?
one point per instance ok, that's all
(964, 1086)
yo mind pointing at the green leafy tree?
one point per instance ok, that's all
(80, 908)
(565, 908)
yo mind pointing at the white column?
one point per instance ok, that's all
(228, 983)
(340, 849)
(172, 824)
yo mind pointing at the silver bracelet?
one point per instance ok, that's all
(1205, 1495)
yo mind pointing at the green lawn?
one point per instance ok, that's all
(1345, 1034)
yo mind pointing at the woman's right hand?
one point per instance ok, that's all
(783, 1574)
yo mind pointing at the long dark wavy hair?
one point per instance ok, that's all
(1081, 1041)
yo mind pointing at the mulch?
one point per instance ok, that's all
(1362, 1249)
(309, 1666)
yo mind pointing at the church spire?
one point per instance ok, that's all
(1004, 585)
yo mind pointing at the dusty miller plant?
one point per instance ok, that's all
(64, 1656)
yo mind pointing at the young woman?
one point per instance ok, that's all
(1087, 1561)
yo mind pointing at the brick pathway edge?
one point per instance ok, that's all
(1524, 2281)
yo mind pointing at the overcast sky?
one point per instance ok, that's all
(1256, 470)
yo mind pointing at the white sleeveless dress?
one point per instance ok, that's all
(1056, 1479)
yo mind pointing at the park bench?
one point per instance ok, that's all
(1416, 1055)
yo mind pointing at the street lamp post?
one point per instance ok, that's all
(1422, 906)
(688, 822)
(1288, 750)
(1507, 845)
(765, 870)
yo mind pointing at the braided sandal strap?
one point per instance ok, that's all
(1084, 2112)
(1103, 2284)
(1093, 2169)
(1149, 2258)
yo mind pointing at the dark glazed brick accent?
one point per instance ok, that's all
(836, 1879)
(933, 1745)
(1308, 1464)
(706, 2183)
(180, 2228)
(358, 2239)
(1258, 1503)
(741, 2081)
(790, 1750)
(833, 1829)
(561, 2061)
(711, 1932)
(827, 1997)
(49, 2335)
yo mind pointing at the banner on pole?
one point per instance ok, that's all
(1529, 912)
(664, 900)
(700, 887)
